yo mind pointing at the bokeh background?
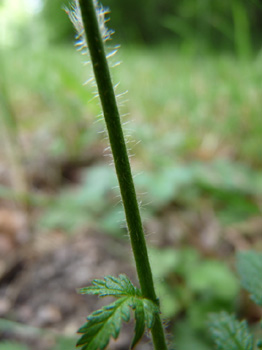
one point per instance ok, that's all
(193, 72)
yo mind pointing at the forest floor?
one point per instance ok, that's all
(40, 273)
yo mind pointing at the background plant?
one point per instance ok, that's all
(233, 26)
(227, 331)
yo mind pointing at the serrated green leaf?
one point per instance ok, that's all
(140, 322)
(112, 286)
(128, 285)
(150, 309)
(229, 333)
(125, 312)
(103, 324)
(249, 266)
(106, 322)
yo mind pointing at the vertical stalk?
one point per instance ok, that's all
(10, 135)
(242, 37)
(121, 160)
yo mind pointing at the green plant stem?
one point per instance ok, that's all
(121, 160)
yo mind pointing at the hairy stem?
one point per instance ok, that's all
(121, 160)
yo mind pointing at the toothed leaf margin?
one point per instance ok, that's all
(105, 323)
(112, 286)
(229, 333)
(249, 266)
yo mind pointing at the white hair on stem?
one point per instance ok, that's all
(74, 14)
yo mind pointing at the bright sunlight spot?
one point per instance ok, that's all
(13, 14)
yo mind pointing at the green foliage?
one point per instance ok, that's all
(64, 343)
(10, 345)
(106, 322)
(226, 185)
(191, 284)
(56, 87)
(229, 333)
(227, 24)
(189, 338)
(201, 134)
(249, 265)
(25, 332)
(112, 286)
(231, 187)
(91, 202)
(56, 21)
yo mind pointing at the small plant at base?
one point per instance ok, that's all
(89, 20)
(106, 322)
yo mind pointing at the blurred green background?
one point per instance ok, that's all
(193, 71)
